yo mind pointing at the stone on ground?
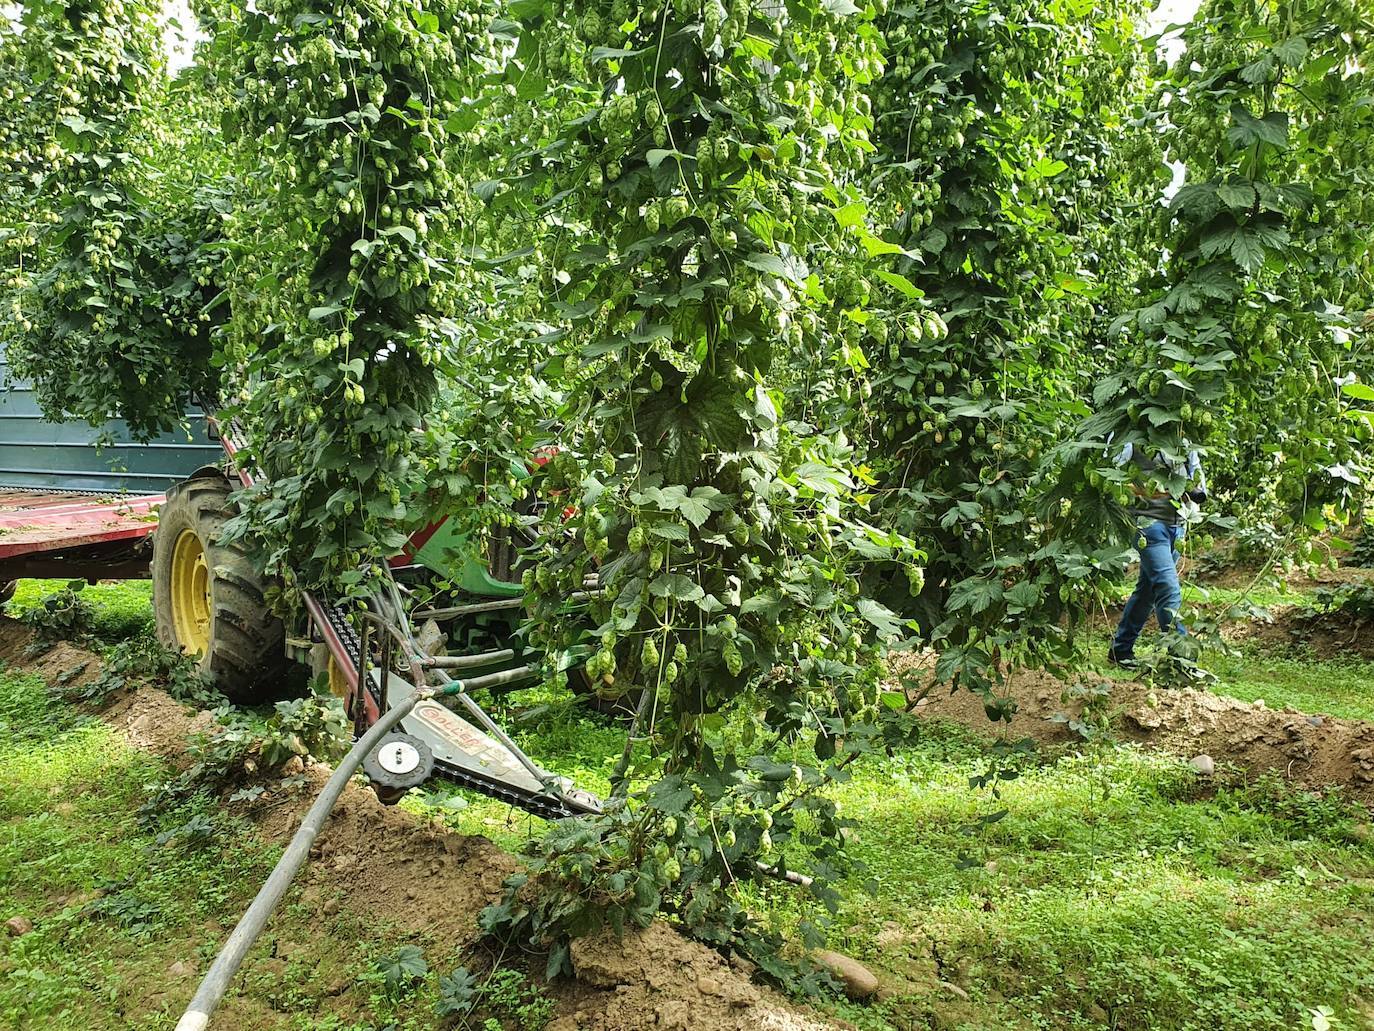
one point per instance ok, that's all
(859, 982)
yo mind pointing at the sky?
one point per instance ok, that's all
(1171, 12)
(179, 44)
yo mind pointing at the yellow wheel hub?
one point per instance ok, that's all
(337, 684)
(190, 594)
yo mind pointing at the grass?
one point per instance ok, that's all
(104, 896)
(1332, 687)
(116, 905)
(121, 608)
(1341, 686)
(1116, 892)
(1264, 595)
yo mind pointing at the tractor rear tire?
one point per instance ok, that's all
(208, 596)
(585, 688)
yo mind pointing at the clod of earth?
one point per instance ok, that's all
(18, 926)
(954, 990)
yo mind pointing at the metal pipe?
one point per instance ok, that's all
(395, 621)
(505, 676)
(494, 606)
(466, 661)
(392, 629)
(250, 925)
(470, 609)
(531, 767)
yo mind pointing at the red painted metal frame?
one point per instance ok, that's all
(34, 523)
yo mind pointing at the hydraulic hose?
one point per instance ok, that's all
(250, 925)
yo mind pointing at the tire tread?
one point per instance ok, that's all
(247, 642)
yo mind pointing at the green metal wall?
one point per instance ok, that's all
(66, 455)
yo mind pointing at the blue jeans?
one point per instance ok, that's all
(1157, 588)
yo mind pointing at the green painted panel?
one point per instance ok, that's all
(449, 553)
(77, 456)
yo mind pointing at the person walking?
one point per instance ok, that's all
(1160, 529)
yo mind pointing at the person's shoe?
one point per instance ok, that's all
(1126, 660)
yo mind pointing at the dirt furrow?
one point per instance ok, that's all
(1311, 751)
(384, 864)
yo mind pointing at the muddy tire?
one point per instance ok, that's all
(208, 598)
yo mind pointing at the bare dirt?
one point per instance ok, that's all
(1296, 627)
(63, 664)
(1240, 576)
(1292, 629)
(379, 864)
(649, 979)
(1244, 739)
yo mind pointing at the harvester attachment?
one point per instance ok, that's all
(468, 749)
(486, 760)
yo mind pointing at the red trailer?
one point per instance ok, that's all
(75, 534)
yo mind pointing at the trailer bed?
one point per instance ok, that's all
(42, 530)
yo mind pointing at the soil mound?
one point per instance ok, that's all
(1325, 635)
(154, 721)
(1240, 576)
(151, 719)
(1296, 630)
(1310, 751)
(384, 864)
(1296, 627)
(656, 978)
(62, 664)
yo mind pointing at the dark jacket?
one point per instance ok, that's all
(1165, 510)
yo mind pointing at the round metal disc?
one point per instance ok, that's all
(398, 757)
(399, 762)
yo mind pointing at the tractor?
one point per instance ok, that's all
(211, 602)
